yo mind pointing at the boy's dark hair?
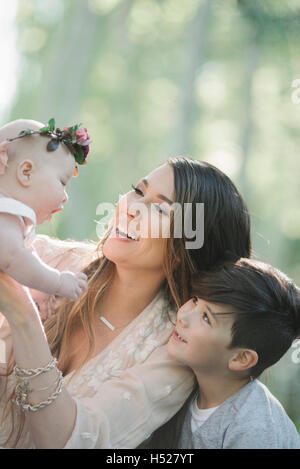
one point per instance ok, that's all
(266, 304)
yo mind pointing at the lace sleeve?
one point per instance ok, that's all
(65, 255)
(62, 255)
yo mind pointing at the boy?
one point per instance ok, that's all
(242, 319)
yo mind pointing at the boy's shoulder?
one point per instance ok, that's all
(255, 396)
(252, 418)
(254, 414)
(254, 400)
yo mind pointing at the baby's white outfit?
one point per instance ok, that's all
(25, 214)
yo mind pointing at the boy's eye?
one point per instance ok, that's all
(63, 183)
(206, 318)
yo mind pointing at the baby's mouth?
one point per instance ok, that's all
(53, 212)
(57, 210)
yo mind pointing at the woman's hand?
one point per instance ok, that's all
(45, 303)
(15, 300)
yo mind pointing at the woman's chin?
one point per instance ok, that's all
(115, 250)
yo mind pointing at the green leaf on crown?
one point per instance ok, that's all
(52, 124)
(79, 154)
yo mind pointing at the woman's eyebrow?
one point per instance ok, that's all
(160, 196)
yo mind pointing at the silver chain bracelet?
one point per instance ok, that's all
(21, 398)
(30, 373)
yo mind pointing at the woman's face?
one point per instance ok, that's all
(144, 214)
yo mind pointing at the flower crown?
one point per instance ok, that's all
(76, 138)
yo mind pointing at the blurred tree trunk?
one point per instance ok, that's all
(63, 84)
(67, 63)
(252, 55)
(196, 51)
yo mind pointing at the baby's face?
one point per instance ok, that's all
(49, 181)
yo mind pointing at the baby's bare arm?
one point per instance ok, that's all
(20, 263)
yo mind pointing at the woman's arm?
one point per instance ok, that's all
(51, 426)
(119, 413)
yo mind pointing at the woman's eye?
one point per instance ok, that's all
(160, 210)
(158, 207)
(137, 190)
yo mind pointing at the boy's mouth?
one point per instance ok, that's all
(178, 337)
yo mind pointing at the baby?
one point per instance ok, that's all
(36, 164)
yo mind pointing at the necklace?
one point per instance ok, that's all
(109, 324)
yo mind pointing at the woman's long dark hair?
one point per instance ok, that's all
(226, 228)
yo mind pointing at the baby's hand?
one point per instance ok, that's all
(72, 285)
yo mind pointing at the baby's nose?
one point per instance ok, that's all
(66, 198)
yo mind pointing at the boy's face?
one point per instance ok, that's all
(201, 338)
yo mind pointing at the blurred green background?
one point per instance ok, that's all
(212, 79)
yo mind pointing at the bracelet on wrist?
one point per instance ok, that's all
(22, 392)
(31, 373)
(23, 389)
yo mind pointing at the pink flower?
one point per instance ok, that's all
(82, 135)
(3, 156)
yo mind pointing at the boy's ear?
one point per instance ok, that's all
(25, 171)
(243, 360)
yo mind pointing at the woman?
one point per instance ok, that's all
(119, 384)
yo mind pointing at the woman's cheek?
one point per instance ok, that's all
(160, 225)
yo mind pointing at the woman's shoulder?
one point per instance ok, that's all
(63, 254)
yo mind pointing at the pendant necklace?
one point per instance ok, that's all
(110, 326)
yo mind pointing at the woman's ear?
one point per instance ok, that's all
(25, 172)
(243, 360)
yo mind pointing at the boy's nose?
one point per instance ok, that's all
(182, 317)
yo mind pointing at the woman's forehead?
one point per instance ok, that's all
(161, 181)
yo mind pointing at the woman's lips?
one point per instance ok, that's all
(120, 237)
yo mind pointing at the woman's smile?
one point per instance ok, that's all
(121, 235)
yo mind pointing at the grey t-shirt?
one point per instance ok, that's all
(252, 418)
